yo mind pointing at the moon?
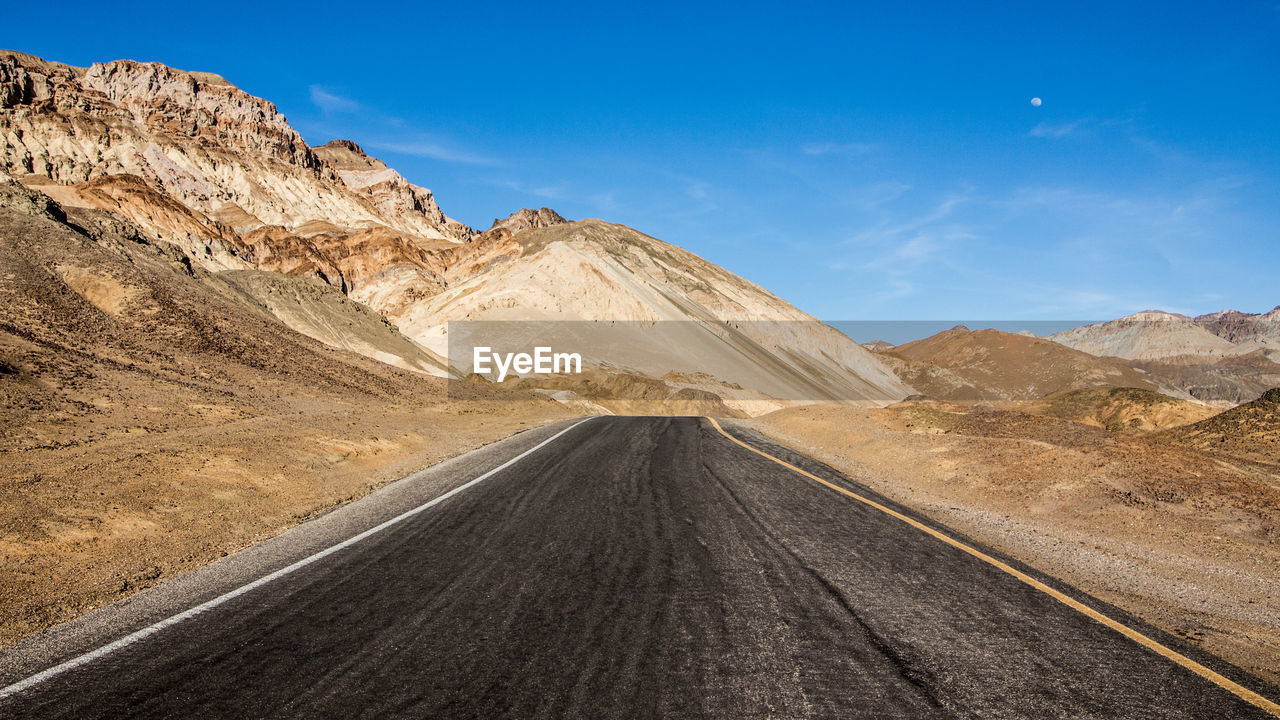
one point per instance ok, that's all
(1035, 102)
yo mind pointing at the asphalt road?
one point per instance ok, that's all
(642, 567)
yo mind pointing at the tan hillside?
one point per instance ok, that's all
(1120, 409)
(964, 366)
(1222, 382)
(311, 307)
(686, 315)
(1149, 335)
(1249, 431)
(154, 416)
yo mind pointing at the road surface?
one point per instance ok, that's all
(647, 567)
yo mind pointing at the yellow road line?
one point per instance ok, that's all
(1235, 688)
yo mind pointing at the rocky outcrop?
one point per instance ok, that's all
(525, 219)
(196, 138)
(1251, 330)
(1251, 430)
(1121, 409)
(390, 193)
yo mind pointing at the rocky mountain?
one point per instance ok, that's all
(199, 163)
(1223, 358)
(968, 366)
(1162, 336)
(526, 219)
(1247, 330)
(1148, 335)
(96, 316)
(191, 161)
(669, 311)
(201, 141)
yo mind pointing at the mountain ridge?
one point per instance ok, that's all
(221, 175)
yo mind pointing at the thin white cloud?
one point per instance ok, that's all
(879, 194)
(1047, 130)
(433, 151)
(887, 233)
(558, 191)
(828, 148)
(1159, 150)
(896, 255)
(331, 102)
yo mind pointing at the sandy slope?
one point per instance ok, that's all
(151, 419)
(636, 303)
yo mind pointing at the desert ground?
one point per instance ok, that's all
(1184, 537)
(133, 496)
(154, 417)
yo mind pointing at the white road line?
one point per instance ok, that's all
(150, 630)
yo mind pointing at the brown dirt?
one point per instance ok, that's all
(1188, 540)
(1223, 383)
(150, 422)
(1250, 431)
(1121, 409)
(960, 365)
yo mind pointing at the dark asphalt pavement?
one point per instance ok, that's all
(639, 567)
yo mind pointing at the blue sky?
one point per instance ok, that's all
(868, 162)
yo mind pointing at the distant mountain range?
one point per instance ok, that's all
(1156, 335)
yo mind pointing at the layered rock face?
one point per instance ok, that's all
(195, 161)
(391, 194)
(1248, 330)
(200, 140)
